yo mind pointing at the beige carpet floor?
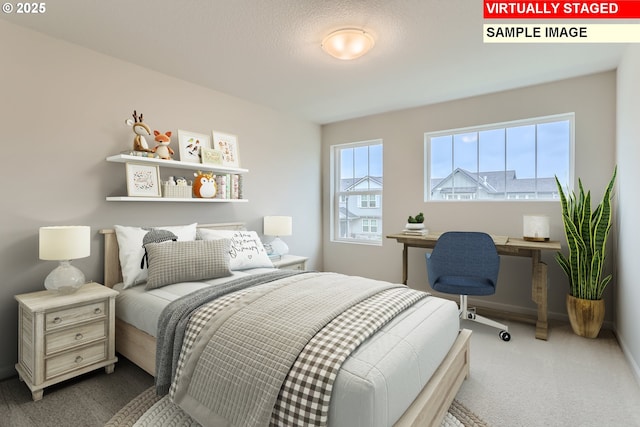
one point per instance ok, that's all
(566, 381)
(87, 401)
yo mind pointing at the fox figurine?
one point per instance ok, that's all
(162, 148)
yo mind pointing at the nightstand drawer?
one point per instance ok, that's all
(74, 337)
(76, 359)
(291, 262)
(293, 267)
(60, 318)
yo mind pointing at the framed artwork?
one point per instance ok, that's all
(143, 180)
(211, 156)
(228, 145)
(190, 144)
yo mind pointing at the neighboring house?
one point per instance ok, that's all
(464, 185)
(361, 209)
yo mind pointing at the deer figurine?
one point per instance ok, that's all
(140, 129)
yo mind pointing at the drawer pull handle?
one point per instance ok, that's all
(57, 320)
(79, 336)
(78, 359)
(97, 310)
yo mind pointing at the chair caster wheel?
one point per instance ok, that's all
(504, 336)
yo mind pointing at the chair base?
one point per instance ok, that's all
(470, 314)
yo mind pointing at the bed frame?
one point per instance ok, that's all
(428, 408)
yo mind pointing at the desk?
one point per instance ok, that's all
(505, 246)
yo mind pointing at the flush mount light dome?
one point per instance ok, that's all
(348, 43)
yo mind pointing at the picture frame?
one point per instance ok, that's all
(190, 144)
(211, 156)
(228, 144)
(143, 180)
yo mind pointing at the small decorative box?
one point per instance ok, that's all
(176, 191)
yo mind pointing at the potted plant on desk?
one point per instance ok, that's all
(586, 231)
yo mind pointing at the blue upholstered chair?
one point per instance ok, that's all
(466, 263)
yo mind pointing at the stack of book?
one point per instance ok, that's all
(148, 154)
(275, 257)
(422, 232)
(230, 186)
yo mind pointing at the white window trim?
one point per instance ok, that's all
(335, 194)
(501, 125)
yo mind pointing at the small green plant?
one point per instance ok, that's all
(418, 219)
(586, 232)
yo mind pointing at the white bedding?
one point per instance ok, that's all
(377, 383)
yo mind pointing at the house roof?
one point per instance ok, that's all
(495, 182)
(347, 184)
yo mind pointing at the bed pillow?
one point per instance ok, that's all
(130, 246)
(175, 262)
(246, 249)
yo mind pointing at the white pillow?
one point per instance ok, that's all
(246, 249)
(132, 251)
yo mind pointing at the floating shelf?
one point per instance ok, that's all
(172, 199)
(126, 158)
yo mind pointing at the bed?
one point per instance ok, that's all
(428, 403)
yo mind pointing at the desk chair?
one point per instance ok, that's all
(466, 263)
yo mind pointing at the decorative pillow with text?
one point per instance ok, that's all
(246, 249)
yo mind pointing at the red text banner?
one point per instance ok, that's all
(516, 9)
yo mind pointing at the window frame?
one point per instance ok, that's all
(570, 117)
(336, 195)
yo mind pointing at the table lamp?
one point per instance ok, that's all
(535, 228)
(277, 226)
(64, 243)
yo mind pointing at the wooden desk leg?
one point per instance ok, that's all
(405, 263)
(539, 294)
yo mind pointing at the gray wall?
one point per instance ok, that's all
(592, 98)
(62, 112)
(627, 290)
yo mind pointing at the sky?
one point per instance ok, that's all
(511, 149)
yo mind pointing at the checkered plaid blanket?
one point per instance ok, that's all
(304, 396)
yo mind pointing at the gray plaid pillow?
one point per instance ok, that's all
(175, 262)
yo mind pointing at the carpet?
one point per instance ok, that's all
(458, 415)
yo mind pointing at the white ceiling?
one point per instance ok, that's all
(268, 51)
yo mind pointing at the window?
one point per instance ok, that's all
(505, 161)
(369, 201)
(356, 186)
(369, 225)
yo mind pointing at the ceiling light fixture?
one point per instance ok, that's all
(347, 43)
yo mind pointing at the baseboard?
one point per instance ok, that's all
(519, 314)
(627, 354)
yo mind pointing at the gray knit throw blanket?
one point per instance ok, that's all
(242, 356)
(174, 318)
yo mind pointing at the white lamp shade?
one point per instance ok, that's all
(535, 227)
(277, 226)
(65, 242)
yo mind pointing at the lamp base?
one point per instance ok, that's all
(64, 279)
(535, 239)
(279, 247)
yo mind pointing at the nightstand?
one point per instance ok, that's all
(62, 336)
(291, 262)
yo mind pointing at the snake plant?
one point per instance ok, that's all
(586, 231)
